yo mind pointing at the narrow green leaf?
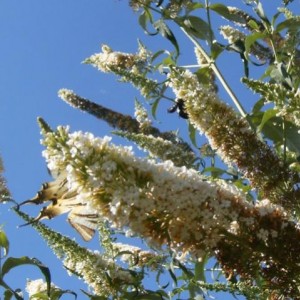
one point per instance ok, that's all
(280, 75)
(258, 106)
(290, 24)
(13, 262)
(149, 296)
(267, 115)
(215, 171)
(58, 293)
(204, 75)
(198, 28)
(172, 274)
(168, 61)
(252, 24)
(171, 270)
(154, 106)
(167, 33)
(223, 11)
(194, 6)
(192, 134)
(216, 50)
(292, 137)
(275, 17)
(4, 242)
(185, 270)
(159, 53)
(93, 297)
(8, 295)
(273, 130)
(41, 296)
(251, 39)
(9, 291)
(200, 269)
(260, 12)
(145, 18)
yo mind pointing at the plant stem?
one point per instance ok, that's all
(209, 21)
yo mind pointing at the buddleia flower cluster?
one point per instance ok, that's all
(98, 270)
(172, 9)
(233, 139)
(175, 206)
(135, 257)
(141, 116)
(131, 68)
(37, 289)
(286, 101)
(133, 192)
(159, 148)
(233, 35)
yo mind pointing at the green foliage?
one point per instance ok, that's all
(239, 153)
(11, 263)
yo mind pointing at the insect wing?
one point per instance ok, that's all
(84, 221)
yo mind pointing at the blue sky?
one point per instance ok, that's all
(42, 46)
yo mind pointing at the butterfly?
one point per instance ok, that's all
(63, 200)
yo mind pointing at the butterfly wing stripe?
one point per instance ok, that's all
(83, 220)
(86, 232)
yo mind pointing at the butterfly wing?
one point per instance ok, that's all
(84, 221)
(50, 191)
(63, 200)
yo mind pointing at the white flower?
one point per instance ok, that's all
(37, 286)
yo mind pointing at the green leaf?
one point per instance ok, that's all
(9, 291)
(251, 39)
(223, 11)
(252, 24)
(275, 17)
(267, 115)
(159, 53)
(194, 6)
(280, 75)
(260, 12)
(93, 297)
(198, 28)
(58, 293)
(154, 106)
(41, 296)
(258, 105)
(204, 75)
(216, 50)
(12, 262)
(216, 172)
(4, 242)
(168, 61)
(148, 296)
(8, 294)
(172, 272)
(192, 134)
(273, 130)
(292, 24)
(189, 274)
(200, 269)
(145, 18)
(166, 32)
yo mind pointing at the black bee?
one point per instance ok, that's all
(179, 107)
